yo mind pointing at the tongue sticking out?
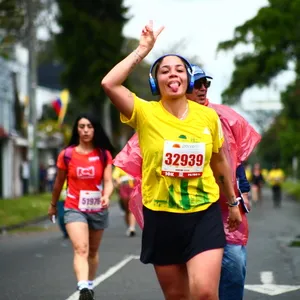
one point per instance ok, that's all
(174, 86)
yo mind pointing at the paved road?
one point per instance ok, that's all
(39, 265)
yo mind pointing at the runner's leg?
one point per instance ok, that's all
(204, 274)
(173, 280)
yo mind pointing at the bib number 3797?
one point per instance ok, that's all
(183, 159)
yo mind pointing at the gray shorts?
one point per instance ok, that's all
(95, 221)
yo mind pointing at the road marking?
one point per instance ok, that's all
(111, 271)
(268, 286)
(266, 277)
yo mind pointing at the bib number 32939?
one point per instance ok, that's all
(90, 201)
(184, 160)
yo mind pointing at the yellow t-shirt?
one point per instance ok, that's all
(276, 177)
(63, 193)
(157, 129)
(248, 173)
(122, 176)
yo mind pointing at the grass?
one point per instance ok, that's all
(295, 243)
(292, 188)
(22, 209)
(29, 229)
(27, 208)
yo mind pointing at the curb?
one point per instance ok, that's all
(292, 197)
(4, 228)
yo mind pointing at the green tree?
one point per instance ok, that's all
(51, 128)
(289, 135)
(47, 51)
(274, 36)
(89, 44)
(269, 148)
(48, 113)
(12, 20)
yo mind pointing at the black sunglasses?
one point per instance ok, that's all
(198, 83)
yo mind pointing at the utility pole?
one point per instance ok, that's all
(31, 92)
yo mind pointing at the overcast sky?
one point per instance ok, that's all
(202, 24)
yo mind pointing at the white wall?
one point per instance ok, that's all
(43, 95)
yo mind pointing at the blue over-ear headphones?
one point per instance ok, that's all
(153, 82)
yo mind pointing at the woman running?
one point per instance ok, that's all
(87, 165)
(181, 146)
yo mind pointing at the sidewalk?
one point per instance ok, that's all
(292, 189)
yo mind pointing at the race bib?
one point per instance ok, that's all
(90, 201)
(184, 160)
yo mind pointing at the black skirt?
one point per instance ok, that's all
(174, 238)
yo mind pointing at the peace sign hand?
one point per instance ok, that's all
(148, 37)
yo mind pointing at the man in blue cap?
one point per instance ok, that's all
(240, 140)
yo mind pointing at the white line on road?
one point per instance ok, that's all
(111, 271)
(266, 277)
(268, 286)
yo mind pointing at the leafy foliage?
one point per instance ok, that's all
(274, 34)
(14, 16)
(269, 147)
(51, 127)
(89, 44)
(12, 20)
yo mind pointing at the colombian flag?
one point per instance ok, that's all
(60, 105)
(56, 104)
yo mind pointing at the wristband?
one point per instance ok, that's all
(234, 204)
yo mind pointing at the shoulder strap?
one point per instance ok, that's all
(103, 156)
(68, 155)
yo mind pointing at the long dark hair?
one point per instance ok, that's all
(100, 139)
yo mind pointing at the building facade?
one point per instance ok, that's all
(14, 145)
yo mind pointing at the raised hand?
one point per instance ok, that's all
(148, 36)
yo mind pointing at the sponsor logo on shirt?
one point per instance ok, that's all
(85, 172)
(94, 158)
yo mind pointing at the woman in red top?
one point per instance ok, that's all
(87, 165)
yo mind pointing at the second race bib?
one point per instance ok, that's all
(90, 201)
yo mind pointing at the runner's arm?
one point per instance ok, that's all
(108, 181)
(113, 86)
(244, 185)
(58, 184)
(222, 174)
